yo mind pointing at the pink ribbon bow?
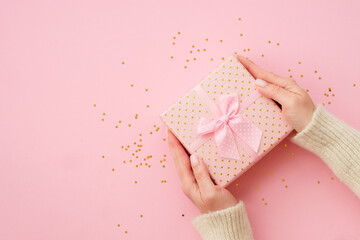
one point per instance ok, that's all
(230, 122)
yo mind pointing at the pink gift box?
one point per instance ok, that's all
(226, 122)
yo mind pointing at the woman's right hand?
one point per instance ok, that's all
(297, 106)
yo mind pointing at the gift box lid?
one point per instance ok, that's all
(230, 80)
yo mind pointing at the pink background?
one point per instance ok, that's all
(59, 58)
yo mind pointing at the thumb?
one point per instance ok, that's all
(273, 91)
(201, 174)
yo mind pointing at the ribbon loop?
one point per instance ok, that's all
(227, 124)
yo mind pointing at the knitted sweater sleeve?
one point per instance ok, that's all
(228, 224)
(336, 143)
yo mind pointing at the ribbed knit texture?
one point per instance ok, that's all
(336, 143)
(228, 224)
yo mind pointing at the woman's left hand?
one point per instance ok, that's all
(196, 181)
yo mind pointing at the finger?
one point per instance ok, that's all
(273, 91)
(258, 72)
(181, 159)
(201, 174)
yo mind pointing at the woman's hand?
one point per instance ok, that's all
(196, 182)
(297, 105)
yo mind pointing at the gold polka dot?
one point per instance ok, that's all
(123, 62)
(113, 169)
(94, 105)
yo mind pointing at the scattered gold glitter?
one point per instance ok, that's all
(292, 154)
(236, 184)
(104, 114)
(103, 156)
(301, 75)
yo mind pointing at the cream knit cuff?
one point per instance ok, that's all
(336, 143)
(228, 224)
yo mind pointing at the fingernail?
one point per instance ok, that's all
(194, 160)
(260, 82)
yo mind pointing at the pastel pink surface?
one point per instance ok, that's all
(59, 58)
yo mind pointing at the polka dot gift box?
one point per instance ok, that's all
(226, 122)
